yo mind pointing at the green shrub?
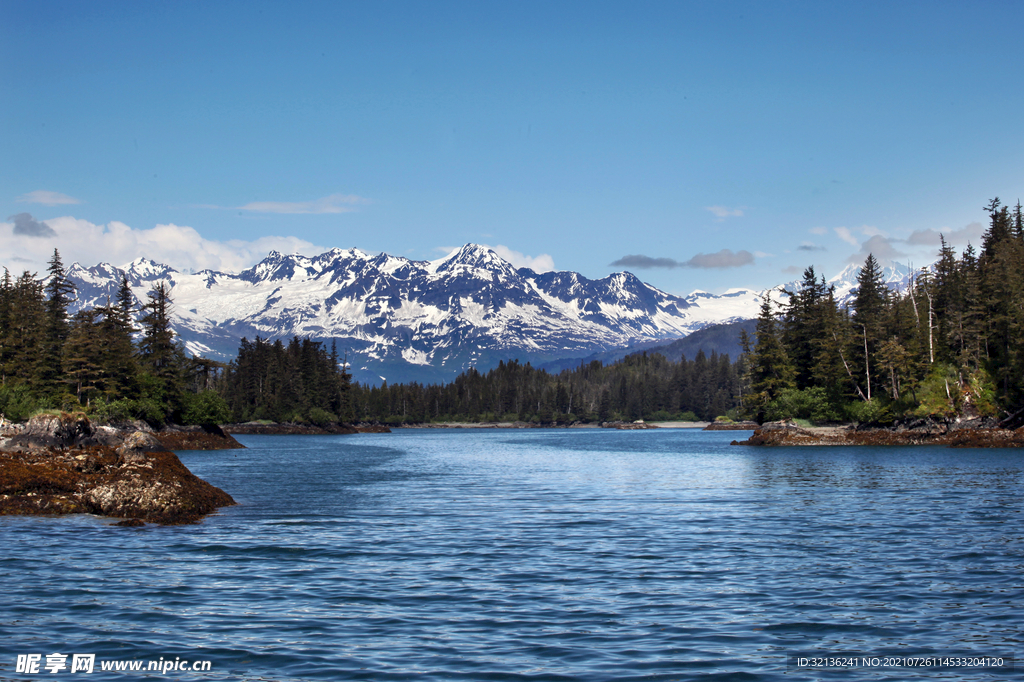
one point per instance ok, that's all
(205, 407)
(981, 392)
(114, 410)
(810, 403)
(146, 409)
(939, 394)
(869, 412)
(16, 402)
(321, 417)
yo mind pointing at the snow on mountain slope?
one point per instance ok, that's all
(895, 275)
(429, 320)
(424, 320)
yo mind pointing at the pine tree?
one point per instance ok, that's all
(59, 291)
(161, 359)
(869, 315)
(803, 324)
(7, 321)
(85, 356)
(1001, 279)
(771, 370)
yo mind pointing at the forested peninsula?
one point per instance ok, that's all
(89, 405)
(948, 346)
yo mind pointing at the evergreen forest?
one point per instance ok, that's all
(113, 361)
(949, 344)
(642, 386)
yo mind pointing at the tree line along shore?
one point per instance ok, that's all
(950, 345)
(103, 395)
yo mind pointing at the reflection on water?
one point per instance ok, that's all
(540, 555)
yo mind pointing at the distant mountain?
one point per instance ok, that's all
(723, 339)
(895, 275)
(404, 320)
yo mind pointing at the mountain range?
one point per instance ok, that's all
(402, 320)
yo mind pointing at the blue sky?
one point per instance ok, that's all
(698, 145)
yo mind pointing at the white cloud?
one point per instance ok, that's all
(818, 230)
(47, 198)
(880, 247)
(929, 237)
(723, 212)
(179, 246)
(540, 263)
(845, 234)
(334, 203)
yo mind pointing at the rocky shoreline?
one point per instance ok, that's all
(63, 464)
(731, 426)
(291, 429)
(627, 426)
(963, 434)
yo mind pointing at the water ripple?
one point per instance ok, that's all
(547, 555)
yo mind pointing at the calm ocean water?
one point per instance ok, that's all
(538, 555)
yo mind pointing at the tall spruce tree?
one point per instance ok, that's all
(161, 359)
(803, 324)
(771, 370)
(869, 317)
(59, 295)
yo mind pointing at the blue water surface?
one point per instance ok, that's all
(586, 554)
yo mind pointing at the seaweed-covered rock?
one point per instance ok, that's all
(288, 429)
(133, 482)
(731, 426)
(923, 432)
(62, 430)
(205, 437)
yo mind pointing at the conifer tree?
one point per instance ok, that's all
(771, 370)
(161, 359)
(7, 318)
(85, 356)
(59, 292)
(869, 311)
(803, 325)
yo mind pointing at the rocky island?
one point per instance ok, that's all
(59, 464)
(974, 433)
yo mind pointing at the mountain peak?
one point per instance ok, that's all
(426, 319)
(472, 254)
(476, 258)
(145, 269)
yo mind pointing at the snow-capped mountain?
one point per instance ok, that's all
(416, 320)
(895, 275)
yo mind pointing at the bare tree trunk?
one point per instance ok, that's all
(913, 301)
(867, 364)
(931, 346)
(852, 378)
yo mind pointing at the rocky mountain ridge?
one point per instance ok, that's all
(402, 320)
